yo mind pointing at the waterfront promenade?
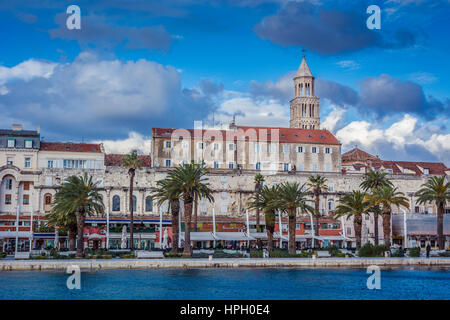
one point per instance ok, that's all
(92, 264)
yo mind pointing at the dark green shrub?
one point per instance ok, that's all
(2, 255)
(173, 254)
(127, 256)
(333, 250)
(369, 250)
(414, 252)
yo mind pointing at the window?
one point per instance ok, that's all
(330, 205)
(216, 165)
(134, 204)
(48, 199)
(185, 145)
(216, 146)
(257, 147)
(313, 149)
(7, 199)
(349, 231)
(272, 148)
(314, 167)
(26, 199)
(167, 144)
(416, 209)
(50, 164)
(285, 166)
(389, 171)
(8, 184)
(231, 146)
(299, 149)
(331, 187)
(200, 145)
(116, 203)
(327, 150)
(286, 149)
(224, 209)
(230, 165)
(11, 143)
(168, 163)
(148, 204)
(26, 185)
(258, 166)
(28, 144)
(426, 171)
(27, 162)
(328, 167)
(9, 161)
(300, 167)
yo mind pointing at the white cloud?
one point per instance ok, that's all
(135, 141)
(333, 119)
(27, 70)
(348, 64)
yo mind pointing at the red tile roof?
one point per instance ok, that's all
(71, 147)
(115, 160)
(258, 133)
(357, 155)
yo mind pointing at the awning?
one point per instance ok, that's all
(301, 238)
(263, 236)
(331, 238)
(95, 236)
(234, 236)
(199, 236)
(12, 234)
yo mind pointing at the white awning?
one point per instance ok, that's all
(233, 236)
(12, 234)
(331, 238)
(300, 238)
(95, 236)
(199, 236)
(263, 236)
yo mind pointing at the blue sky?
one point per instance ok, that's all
(139, 64)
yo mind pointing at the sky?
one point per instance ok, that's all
(139, 64)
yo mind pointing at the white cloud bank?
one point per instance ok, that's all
(135, 141)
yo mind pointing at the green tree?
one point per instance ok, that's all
(292, 196)
(266, 200)
(65, 221)
(79, 194)
(190, 183)
(386, 197)
(317, 184)
(354, 205)
(166, 191)
(372, 181)
(438, 191)
(132, 162)
(259, 181)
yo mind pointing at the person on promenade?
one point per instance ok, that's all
(428, 250)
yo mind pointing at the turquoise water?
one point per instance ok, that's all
(246, 284)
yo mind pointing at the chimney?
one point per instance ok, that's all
(17, 127)
(39, 129)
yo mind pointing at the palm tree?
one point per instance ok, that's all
(132, 162)
(292, 197)
(354, 205)
(66, 221)
(79, 195)
(259, 180)
(437, 191)
(189, 182)
(165, 191)
(386, 197)
(317, 184)
(372, 181)
(267, 200)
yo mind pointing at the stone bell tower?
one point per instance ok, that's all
(304, 106)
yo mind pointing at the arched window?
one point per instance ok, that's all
(48, 202)
(134, 203)
(116, 203)
(148, 204)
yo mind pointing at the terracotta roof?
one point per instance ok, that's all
(258, 133)
(71, 147)
(115, 160)
(434, 167)
(357, 155)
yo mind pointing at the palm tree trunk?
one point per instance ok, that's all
(270, 237)
(175, 207)
(80, 234)
(187, 228)
(131, 209)
(195, 213)
(317, 203)
(358, 226)
(72, 233)
(258, 229)
(292, 222)
(375, 227)
(387, 228)
(440, 226)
